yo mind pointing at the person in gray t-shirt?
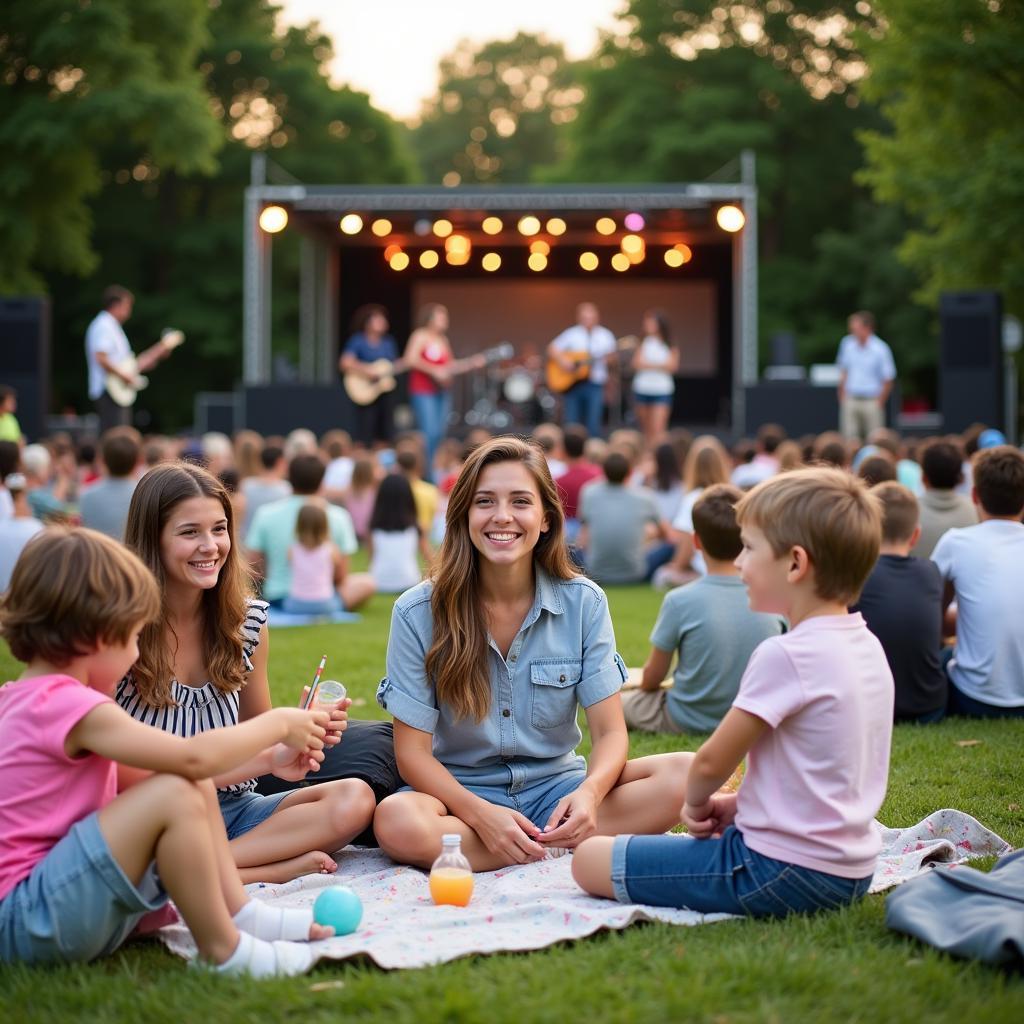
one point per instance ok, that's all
(615, 518)
(710, 624)
(104, 505)
(268, 487)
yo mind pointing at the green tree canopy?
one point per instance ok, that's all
(949, 76)
(75, 78)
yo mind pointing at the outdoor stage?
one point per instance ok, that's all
(511, 264)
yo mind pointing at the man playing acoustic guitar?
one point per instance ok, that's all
(368, 345)
(107, 352)
(584, 350)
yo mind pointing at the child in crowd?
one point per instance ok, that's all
(813, 717)
(902, 604)
(396, 537)
(203, 667)
(362, 494)
(942, 508)
(101, 817)
(317, 565)
(983, 567)
(710, 624)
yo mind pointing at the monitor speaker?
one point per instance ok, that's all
(25, 359)
(971, 366)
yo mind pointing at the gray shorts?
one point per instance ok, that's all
(77, 904)
(647, 711)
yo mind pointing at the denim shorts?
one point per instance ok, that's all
(77, 904)
(722, 876)
(535, 801)
(242, 812)
(297, 606)
(652, 399)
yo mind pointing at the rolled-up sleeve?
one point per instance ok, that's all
(405, 692)
(603, 670)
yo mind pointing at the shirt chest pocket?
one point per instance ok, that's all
(553, 692)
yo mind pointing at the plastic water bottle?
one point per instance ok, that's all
(451, 877)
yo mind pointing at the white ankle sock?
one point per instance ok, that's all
(260, 959)
(264, 922)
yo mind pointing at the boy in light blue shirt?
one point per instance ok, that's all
(710, 624)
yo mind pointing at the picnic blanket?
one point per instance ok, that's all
(535, 905)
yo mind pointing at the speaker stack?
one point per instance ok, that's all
(25, 359)
(971, 368)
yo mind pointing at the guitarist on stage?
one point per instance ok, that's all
(368, 343)
(588, 341)
(106, 347)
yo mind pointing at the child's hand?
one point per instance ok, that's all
(699, 819)
(305, 729)
(293, 765)
(338, 722)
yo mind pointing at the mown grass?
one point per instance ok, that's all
(843, 966)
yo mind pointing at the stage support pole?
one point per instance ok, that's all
(256, 282)
(745, 299)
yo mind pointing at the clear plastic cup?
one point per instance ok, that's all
(328, 694)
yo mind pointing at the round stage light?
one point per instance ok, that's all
(556, 226)
(381, 227)
(589, 260)
(620, 261)
(634, 222)
(605, 226)
(399, 261)
(537, 261)
(351, 224)
(674, 258)
(492, 225)
(273, 219)
(457, 257)
(539, 245)
(528, 225)
(730, 218)
(684, 250)
(429, 259)
(442, 228)
(457, 243)
(390, 251)
(632, 244)
(491, 261)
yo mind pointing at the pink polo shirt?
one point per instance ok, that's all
(816, 779)
(43, 792)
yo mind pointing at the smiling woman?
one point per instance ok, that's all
(487, 664)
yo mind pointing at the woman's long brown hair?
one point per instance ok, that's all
(457, 660)
(223, 607)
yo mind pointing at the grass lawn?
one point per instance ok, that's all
(840, 966)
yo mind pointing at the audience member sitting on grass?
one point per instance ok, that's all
(983, 567)
(902, 604)
(616, 526)
(104, 505)
(203, 666)
(710, 624)
(579, 471)
(813, 718)
(397, 539)
(273, 531)
(268, 486)
(48, 490)
(17, 530)
(487, 665)
(103, 818)
(876, 468)
(942, 508)
(317, 566)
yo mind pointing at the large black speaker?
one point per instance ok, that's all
(280, 408)
(25, 359)
(971, 368)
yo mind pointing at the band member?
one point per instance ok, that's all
(584, 401)
(368, 343)
(106, 349)
(655, 364)
(429, 355)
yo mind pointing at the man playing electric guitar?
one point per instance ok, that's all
(107, 350)
(367, 345)
(585, 347)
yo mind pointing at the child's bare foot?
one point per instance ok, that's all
(315, 863)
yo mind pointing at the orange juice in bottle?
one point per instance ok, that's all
(451, 878)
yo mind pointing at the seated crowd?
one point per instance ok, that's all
(821, 591)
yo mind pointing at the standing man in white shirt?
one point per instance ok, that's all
(868, 372)
(106, 347)
(584, 401)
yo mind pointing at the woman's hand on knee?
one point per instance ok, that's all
(573, 820)
(507, 833)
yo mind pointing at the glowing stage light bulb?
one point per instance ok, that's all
(390, 251)
(674, 258)
(589, 260)
(528, 225)
(274, 219)
(634, 222)
(399, 261)
(381, 227)
(537, 261)
(605, 226)
(539, 245)
(492, 225)
(556, 226)
(632, 244)
(684, 250)
(730, 218)
(620, 261)
(442, 228)
(429, 259)
(457, 243)
(351, 224)
(491, 261)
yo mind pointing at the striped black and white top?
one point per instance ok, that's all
(197, 709)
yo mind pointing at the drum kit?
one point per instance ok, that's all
(504, 398)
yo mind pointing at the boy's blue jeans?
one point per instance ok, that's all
(722, 876)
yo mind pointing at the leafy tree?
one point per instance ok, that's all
(949, 76)
(497, 112)
(75, 77)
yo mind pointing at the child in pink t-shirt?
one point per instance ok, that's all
(813, 717)
(80, 862)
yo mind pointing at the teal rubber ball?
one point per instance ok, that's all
(339, 908)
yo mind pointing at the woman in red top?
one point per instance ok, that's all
(429, 355)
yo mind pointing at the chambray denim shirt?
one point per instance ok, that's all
(563, 655)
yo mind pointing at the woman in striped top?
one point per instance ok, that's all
(203, 666)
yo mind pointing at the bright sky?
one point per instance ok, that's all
(391, 48)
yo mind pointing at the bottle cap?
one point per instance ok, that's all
(450, 838)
